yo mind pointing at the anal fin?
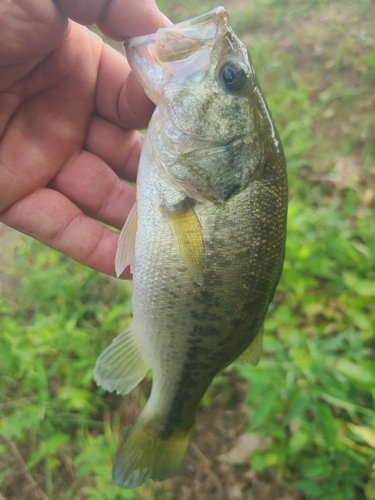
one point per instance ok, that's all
(122, 365)
(252, 353)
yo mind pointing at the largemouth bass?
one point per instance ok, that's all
(205, 240)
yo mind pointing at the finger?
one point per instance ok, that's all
(29, 30)
(50, 126)
(55, 221)
(119, 97)
(117, 19)
(119, 148)
(93, 186)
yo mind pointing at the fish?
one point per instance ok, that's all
(205, 239)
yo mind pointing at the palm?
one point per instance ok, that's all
(67, 129)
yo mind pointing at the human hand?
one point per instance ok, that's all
(69, 110)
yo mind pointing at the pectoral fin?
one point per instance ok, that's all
(251, 354)
(126, 243)
(188, 237)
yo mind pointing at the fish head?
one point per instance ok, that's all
(206, 127)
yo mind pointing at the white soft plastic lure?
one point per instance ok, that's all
(205, 239)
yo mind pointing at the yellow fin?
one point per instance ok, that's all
(251, 354)
(188, 236)
(126, 243)
(146, 455)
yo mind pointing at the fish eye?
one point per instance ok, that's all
(232, 75)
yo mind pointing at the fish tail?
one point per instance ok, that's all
(145, 454)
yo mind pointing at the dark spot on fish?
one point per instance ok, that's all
(198, 360)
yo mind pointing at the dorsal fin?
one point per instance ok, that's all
(126, 243)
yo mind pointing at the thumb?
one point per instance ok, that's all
(30, 30)
(117, 19)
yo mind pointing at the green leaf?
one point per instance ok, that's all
(370, 487)
(299, 440)
(74, 398)
(366, 434)
(327, 423)
(310, 488)
(360, 373)
(299, 404)
(349, 407)
(48, 448)
(263, 411)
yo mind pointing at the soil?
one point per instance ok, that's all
(217, 466)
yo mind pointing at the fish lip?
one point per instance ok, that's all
(199, 30)
(179, 41)
(217, 12)
(153, 57)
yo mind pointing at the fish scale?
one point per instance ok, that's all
(205, 240)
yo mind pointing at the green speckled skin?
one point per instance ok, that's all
(221, 149)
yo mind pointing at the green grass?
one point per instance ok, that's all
(50, 341)
(317, 375)
(311, 398)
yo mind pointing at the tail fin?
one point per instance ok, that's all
(146, 455)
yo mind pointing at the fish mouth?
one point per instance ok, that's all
(184, 39)
(175, 51)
